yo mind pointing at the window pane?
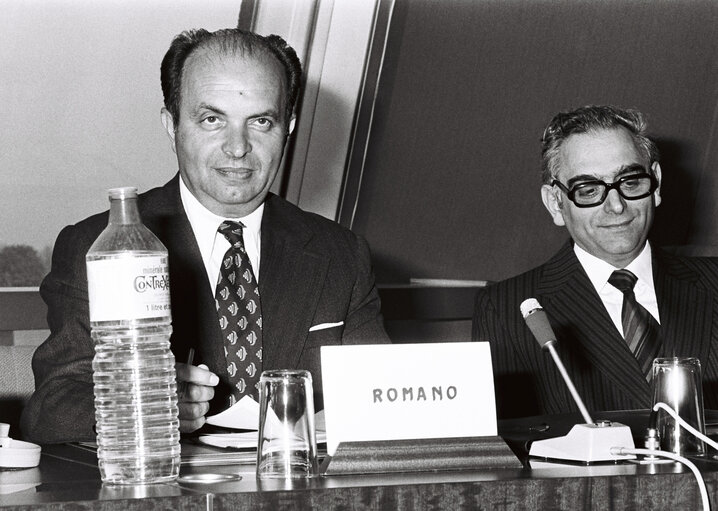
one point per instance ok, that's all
(81, 112)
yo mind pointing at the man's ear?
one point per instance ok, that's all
(554, 205)
(168, 123)
(656, 168)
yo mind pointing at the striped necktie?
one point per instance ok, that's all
(640, 328)
(240, 314)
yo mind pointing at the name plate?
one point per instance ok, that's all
(407, 391)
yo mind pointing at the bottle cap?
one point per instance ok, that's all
(126, 192)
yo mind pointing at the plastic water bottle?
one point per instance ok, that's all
(133, 368)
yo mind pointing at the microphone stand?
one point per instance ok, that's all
(589, 442)
(561, 369)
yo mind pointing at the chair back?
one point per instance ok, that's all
(17, 384)
(428, 311)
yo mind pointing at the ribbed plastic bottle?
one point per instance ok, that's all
(133, 368)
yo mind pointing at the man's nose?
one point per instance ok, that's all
(614, 202)
(236, 143)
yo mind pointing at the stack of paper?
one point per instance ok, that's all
(244, 415)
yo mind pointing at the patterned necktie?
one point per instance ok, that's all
(640, 328)
(240, 314)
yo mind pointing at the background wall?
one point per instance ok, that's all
(450, 186)
(451, 175)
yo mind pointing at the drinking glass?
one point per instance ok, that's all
(287, 446)
(677, 383)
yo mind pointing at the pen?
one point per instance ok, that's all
(183, 385)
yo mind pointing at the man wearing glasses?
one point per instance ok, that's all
(614, 301)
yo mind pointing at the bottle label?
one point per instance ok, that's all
(128, 288)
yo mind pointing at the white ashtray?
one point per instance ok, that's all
(19, 454)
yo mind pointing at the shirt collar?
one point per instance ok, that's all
(205, 223)
(599, 270)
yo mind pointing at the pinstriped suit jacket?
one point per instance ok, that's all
(595, 354)
(312, 271)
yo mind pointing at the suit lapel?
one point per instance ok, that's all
(585, 332)
(194, 315)
(685, 309)
(290, 283)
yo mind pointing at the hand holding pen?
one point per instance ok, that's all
(195, 390)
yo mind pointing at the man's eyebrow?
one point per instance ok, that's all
(206, 107)
(633, 168)
(267, 113)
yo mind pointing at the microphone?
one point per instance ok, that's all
(588, 442)
(537, 321)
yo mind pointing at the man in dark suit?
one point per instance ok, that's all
(601, 180)
(229, 109)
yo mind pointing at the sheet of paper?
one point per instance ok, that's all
(248, 439)
(244, 414)
(13, 481)
(244, 440)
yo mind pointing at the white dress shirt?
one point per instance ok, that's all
(599, 271)
(212, 244)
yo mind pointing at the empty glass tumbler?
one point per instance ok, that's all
(287, 445)
(677, 383)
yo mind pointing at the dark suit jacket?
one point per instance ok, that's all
(595, 354)
(312, 271)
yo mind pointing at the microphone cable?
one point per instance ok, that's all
(673, 456)
(684, 424)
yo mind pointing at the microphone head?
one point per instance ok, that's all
(537, 321)
(528, 306)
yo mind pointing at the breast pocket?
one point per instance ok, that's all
(329, 336)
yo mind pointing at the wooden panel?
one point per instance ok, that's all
(22, 309)
(408, 302)
(451, 180)
(412, 331)
(415, 313)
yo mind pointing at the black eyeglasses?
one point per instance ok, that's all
(587, 194)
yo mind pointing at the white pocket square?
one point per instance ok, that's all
(324, 326)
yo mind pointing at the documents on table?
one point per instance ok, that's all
(244, 415)
(13, 481)
(243, 440)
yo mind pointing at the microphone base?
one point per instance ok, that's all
(587, 443)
